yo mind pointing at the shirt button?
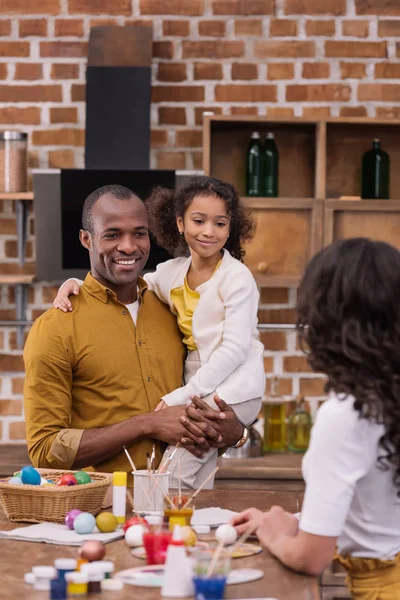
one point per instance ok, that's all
(140, 342)
(149, 379)
(124, 312)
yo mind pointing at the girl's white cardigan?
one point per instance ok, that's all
(224, 330)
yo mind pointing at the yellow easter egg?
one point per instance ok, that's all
(106, 522)
(189, 536)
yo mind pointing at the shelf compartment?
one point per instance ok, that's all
(289, 232)
(346, 143)
(375, 219)
(226, 140)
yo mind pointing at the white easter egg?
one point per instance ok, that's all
(226, 534)
(134, 536)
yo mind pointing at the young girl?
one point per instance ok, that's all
(215, 299)
(349, 319)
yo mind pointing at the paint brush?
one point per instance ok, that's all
(243, 538)
(193, 496)
(130, 460)
(167, 458)
(215, 557)
(168, 499)
(153, 458)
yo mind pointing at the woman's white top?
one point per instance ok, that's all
(224, 329)
(347, 494)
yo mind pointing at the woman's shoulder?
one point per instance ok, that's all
(338, 412)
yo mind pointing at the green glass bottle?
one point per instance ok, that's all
(299, 428)
(375, 173)
(253, 166)
(270, 167)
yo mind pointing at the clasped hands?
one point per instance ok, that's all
(202, 428)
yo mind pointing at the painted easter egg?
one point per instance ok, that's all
(134, 536)
(15, 480)
(189, 536)
(92, 550)
(84, 523)
(82, 477)
(71, 516)
(226, 534)
(106, 522)
(67, 479)
(134, 521)
(30, 476)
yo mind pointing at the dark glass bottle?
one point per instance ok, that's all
(253, 166)
(375, 173)
(270, 165)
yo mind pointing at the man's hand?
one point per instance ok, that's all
(221, 428)
(167, 427)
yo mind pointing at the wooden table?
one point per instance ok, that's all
(274, 471)
(18, 558)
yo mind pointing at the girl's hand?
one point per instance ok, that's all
(61, 301)
(275, 525)
(250, 518)
(160, 406)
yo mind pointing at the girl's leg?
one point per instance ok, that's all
(192, 470)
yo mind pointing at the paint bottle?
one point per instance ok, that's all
(64, 565)
(119, 495)
(43, 575)
(77, 584)
(178, 581)
(58, 589)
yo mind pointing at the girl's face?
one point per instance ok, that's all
(205, 225)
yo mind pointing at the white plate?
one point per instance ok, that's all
(153, 576)
(244, 575)
(148, 576)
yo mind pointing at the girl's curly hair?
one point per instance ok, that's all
(164, 206)
(349, 325)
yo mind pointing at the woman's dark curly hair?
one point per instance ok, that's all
(164, 206)
(349, 325)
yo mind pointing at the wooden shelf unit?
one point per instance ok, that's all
(19, 280)
(16, 279)
(27, 196)
(319, 161)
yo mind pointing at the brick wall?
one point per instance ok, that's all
(266, 57)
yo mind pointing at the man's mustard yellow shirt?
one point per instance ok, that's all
(93, 367)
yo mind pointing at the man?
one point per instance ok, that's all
(95, 375)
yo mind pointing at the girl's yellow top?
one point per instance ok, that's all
(185, 301)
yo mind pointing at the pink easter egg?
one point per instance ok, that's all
(71, 516)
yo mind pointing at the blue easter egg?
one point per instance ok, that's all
(30, 476)
(15, 480)
(84, 523)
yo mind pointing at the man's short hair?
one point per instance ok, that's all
(118, 191)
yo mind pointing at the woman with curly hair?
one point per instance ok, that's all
(349, 325)
(215, 298)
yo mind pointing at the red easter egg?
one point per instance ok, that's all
(134, 521)
(67, 479)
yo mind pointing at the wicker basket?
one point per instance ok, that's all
(34, 504)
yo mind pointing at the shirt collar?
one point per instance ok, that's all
(103, 293)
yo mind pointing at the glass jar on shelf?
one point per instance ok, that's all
(299, 427)
(274, 408)
(13, 161)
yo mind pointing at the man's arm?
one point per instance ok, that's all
(52, 443)
(101, 444)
